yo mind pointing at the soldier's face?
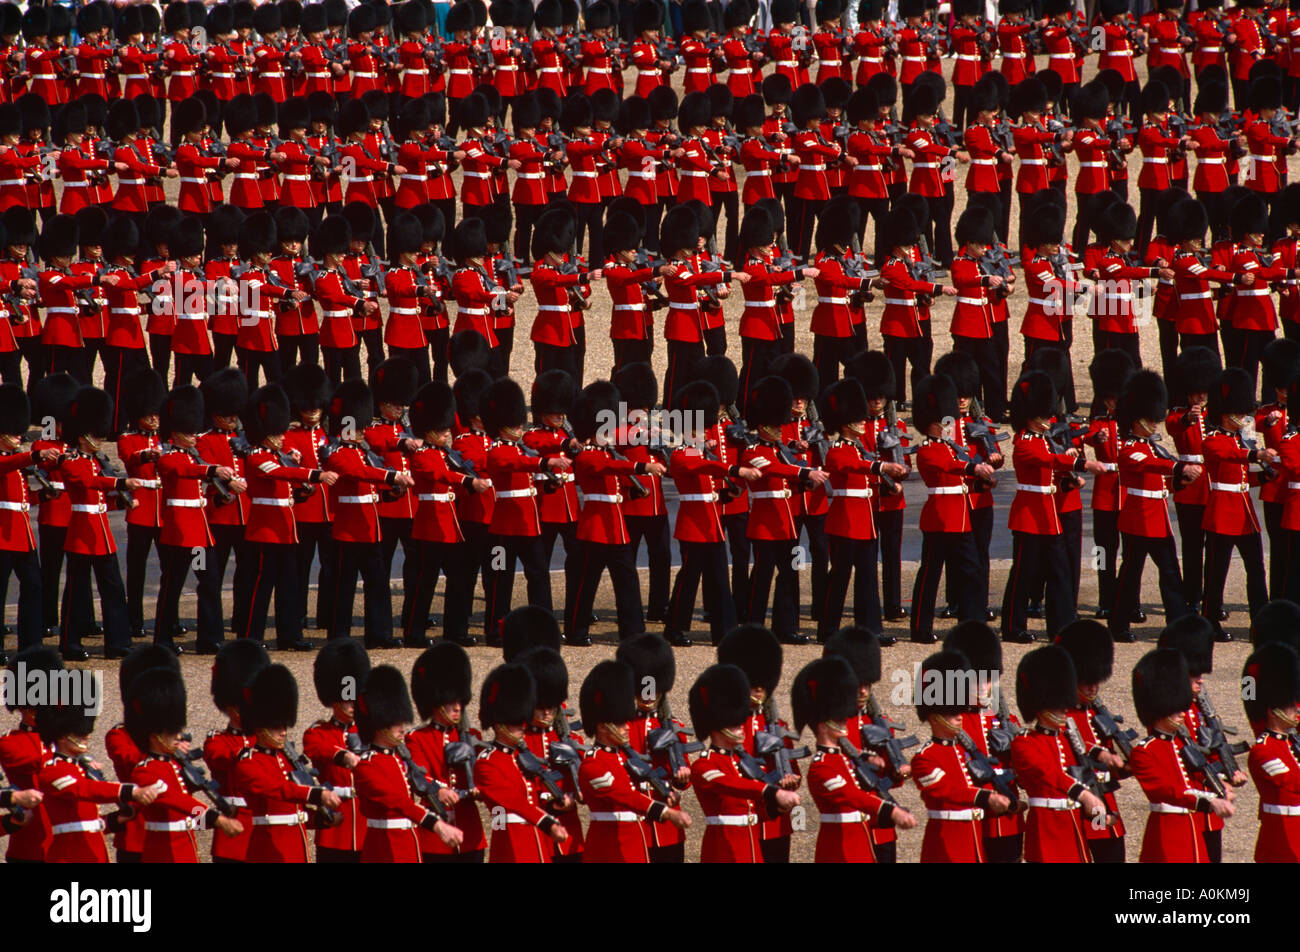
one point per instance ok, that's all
(543, 716)
(864, 694)
(757, 695)
(345, 711)
(876, 405)
(1197, 681)
(450, 713)
(148, 423)
(9, 441)
(963, 404)
(310, 417)
(1088, 691)
(273, 737)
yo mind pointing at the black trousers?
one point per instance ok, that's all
(1105, 533)
(736, 527)
(994, 391)
(756, 357)
(706, 561)
(800, 222)
(228, 540)
(1246, 352)
(69, 360)
(273, 568)
(953, 553)
(682, 357)
(223, 347)
(593, 560)
(1192, 539)
(316, 541)
(1072, 530)
(33, 353)
(981, 522)
(77, 620)
(391, 532)
(26, 568)
(1107, 851)
(428, 559)
(160, 353)
(1278, 550)
(656, 534)
(267, 361)
(938, 229)
(139, 540)
(1168, 337)
(374, 341)
(550, 357)
(50, 540)
(828, 354)
(715, 341)
(120, 363)
(774, 557)
(439, 341)
(628, 351)
(1218, 557)
(591, 218)
(874, 208)
(819, 561)
(471, 561)
(855, 557)
(900, 351)
(192, 367)
(1033, 557)
(1199, 340)
(504, 552)
(889, 524)
(525, 218)
(1033, 346)
(1128, 587)
(175, 562)
(367, 560)
(299, 348)
(341, 363)
(1291, 579)
(1129, 343)
(731, 202)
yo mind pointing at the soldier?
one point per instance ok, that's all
(646, 517)
(233, 671)
(308, 391)
(441, 685)
(548, 726)
(155, 720)
(1230, 520)
(340, 299)
(946, 523)
(507, 703)
(225, 395)
(383, 784)
(357, 531)
(23, 753)
(139, 448)
(388, 435)
(1143, 516)
(17, 543)
(733, 804)
(1092, 650)
(515, 529)
(1059, 804)
(552, 436)
(1161, 694)
(1279, 361)
(729, 447)
(1273, 670)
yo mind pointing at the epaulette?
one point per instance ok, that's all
(366, 754)
(246, 753)
(1144, 741)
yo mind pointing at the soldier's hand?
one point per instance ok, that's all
(1111, 760)
(1272, 418)
(134, 484)
(655, 468)
(984, 471)
(999, 804)
(110, 279)
(448, 797)
(233, 163)
(786, 800)
(229, 826)
(749, 473)
(515, 164)
(481, 485)
(1247, 279)
(818, 476)
(48, 455)
(812, 272)
(791, 782)
(996, 459)
(683, 775)
(1092, 805)
(331, 800)
(596, 275)
(949, 290)
(450, 835)
(558, 462)
(1166, 274)
(404, 479)
(238, 486)
(121, 167)
(678, 819)
(1238, 779)
(225, 472)
(27, 798)
(1192, 472)
(740, 276)
(905, 771)
(171, 172)
(961, 155)
(350, 759)
(1268, 455)
(995, 281)
(902, 819)
(1103, 436)
(894, 470)
(147, 795)
(1222, 808)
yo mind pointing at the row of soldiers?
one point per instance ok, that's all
(371, 786)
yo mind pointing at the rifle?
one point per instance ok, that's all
(196, 778)
(423, 787)
(1000, 737)
(566, 755)
(45, 489)
(1213, 735)
(655, 298)
(533, 766)
(640, 770)
(1088, 771)
(996, 261)
(462, 753)
(665, 740)
(1195, 760)
(984, 771)
(771, 747)
(1108, 729)
(889, 442)
(867, 775)
(1266, 472)
(114, 821)
(125, 497)
(220, 487)
(18, 813)
(881, 739)
(304, 773)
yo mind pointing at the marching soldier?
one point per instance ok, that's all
(384, 789)
(1273, 671)
(446, 746)
(233, 670)
(225, 394)
(22, 755)
(308, 391)
(17, 542)
(549, 725)
(338, 674)
(551, 436)
(393, 383)
(1161, 695)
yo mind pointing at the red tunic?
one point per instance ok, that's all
(1172, 833)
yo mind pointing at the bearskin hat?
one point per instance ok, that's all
(962, 369)
(271, 699)
(860, 647)
(1233, 393)
(1193, 636)
(441, 675)
(799, 373)
(469, 389)
(141, 658)
(267, 414)
(806, 104)
(434, 408)
(651, 660)
(340, 670)
(978, 643)
(508, 695)
(384, 702)
(352, 404)
(1161, 685)
(1090, 647)
(844, 402)
(1046, 681)
(698, 401)
(1110, 371)
(595, 407)
(976, 226)
(823, 690)
(770, 402)
(1279, 620)
(1270, 679)
(680, 229)
(182, 412)
(1034, 395)
(59, 238)
(1030, 95)
(755, 650)
(503, 406)
(948, 685)
(934, 399)
(607, 696)
(15, 410)
(89, 414)
(236, 664)
(719, 698)
(157, 705)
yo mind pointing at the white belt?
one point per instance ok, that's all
(900, 302)
(1149, 493)
(872, 59)
(555, 308)
(337, 313)
(263, 75)
(1092, 165)
(602, 497)
(280, 819)
(187, 503)
(689, 306)
(1042, 302)
(268, 501)
(478, 311)
(1033, 161)
(517, 493)
(190, 317)
(297, 178)
(190, 72)
(982, 162)
(460, 72)
(1118, 52)
(367, 178)
(1217, 160)
(13, 181)
(359, 500)
(770, 303)
(1027, 488)
(185, 179)
(1171, 50)
(1293, 485)
(174, 826)
(96, 508)
(1168, 808)
(1253, 292)
(1151, 161)
(640, 175)
(974, 814)
(577, 174)
(363, 75)
(67, 184)
(1278, 809)
(405, 311)
(436, 497)
(629, 307)
(120, 181)
(251, 175)
(925, 165)
(734, 820)
(401, 823)
(58, 485)
(528, 175)
(852, 493)
(745, 70)
(124, 310)
(947, 490)
(81, 826)
(691, 174)
(237, 801)
(698, 497)
(812, 168)
(1191, 458)
(309, 75)
(831, 300)
(913, 59)
(134, 76)
(544, 69)
(758, 172)
(1199, 296)
(1263, 158)
(647, 72)
(1230, 487)
(1210, 49)
(15, 506)
(1006, 55)
(1052, 803)
(853, 817)
(425, 72)
(777, 494)
(830, 62)
(977, 302)
(873, 168)
(62, 310)
(1117, 295)
(507, 67)
(618, 816)
(968, 57)
(467, 172)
